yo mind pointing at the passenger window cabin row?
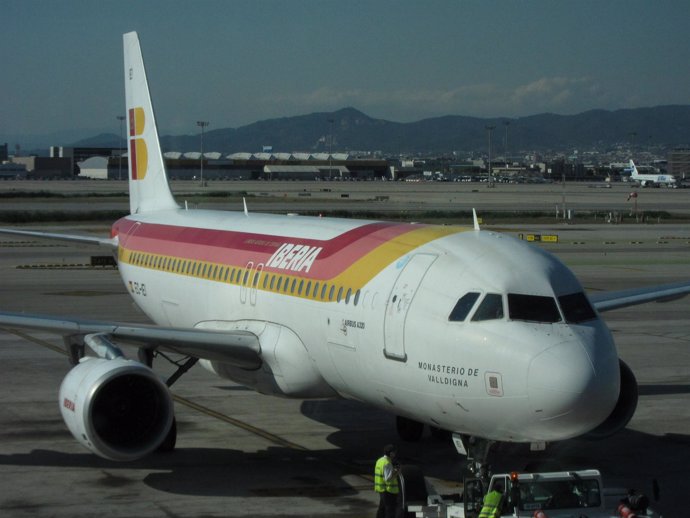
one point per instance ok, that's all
(324, 291)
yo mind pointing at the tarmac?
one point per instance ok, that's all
(385, 197)
(243, 454)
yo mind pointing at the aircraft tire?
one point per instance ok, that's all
(409, 430)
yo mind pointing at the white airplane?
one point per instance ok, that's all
(461, 329)
(650, 180)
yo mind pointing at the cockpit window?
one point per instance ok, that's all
(463, 307)
(533, 308)
(491, 308)
(576, 308)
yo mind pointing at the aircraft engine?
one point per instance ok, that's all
(119, 409)
(624, 409)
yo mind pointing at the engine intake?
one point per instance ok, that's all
(119, 409)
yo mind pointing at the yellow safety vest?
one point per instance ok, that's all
(492, 505)
(380, 484)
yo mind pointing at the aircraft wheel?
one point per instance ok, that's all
(170, 440)
(408, 429)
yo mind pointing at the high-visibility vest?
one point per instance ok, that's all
(492, 505)
(380, 484)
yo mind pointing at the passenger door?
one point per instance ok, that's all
(398, 304)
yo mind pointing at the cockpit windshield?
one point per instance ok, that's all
(533, 308)
(576, 308)
(527, 308)
(463, 307)
(491, 308)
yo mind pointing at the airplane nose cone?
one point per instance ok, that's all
(566, 390)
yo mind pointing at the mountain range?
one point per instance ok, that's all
(352, 130)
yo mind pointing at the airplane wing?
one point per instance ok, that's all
(89, 240)
(240, 348)
(605, 301)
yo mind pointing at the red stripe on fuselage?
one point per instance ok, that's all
(238, 248)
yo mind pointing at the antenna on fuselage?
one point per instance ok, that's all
(475, 220)
(244, 202)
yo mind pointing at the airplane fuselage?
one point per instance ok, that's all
(367, 310)
(469, 331)
(646, 180)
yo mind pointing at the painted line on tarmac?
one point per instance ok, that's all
(33, 339)
(182, 400)
(239, 424)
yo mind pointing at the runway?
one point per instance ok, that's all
(243, 454)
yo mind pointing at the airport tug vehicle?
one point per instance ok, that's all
(558, 494)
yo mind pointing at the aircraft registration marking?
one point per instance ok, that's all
(137, 288)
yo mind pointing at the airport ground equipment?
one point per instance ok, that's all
(558, 494)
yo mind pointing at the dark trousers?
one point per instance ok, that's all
(388, 506)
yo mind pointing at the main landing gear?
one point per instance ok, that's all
(146, 357)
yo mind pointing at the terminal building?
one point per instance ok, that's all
(109, 164)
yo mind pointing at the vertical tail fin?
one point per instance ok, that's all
(148, 184)
(633, 169)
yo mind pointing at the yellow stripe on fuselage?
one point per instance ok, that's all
(363, 270)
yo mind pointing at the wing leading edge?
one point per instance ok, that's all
(74, 238)
(240, 348)
(606, 301)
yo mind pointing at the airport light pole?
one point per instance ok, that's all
(330, 148)
(202, 124)
(563, 193)
(121, 118)
(490, 130)
(506, 124)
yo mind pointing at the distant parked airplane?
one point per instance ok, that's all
(651, 180)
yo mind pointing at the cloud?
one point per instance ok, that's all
(490, 99)
(556, 93)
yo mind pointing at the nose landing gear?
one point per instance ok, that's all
(477, 451)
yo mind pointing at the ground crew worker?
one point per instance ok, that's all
(386, 483)
(493, 502)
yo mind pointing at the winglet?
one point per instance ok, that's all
(475, 220)
(244, 202)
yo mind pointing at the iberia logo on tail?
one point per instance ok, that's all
(137, 146)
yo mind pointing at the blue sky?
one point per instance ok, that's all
(236, 62)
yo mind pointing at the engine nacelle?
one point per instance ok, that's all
(119, 409)
(625, 406)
